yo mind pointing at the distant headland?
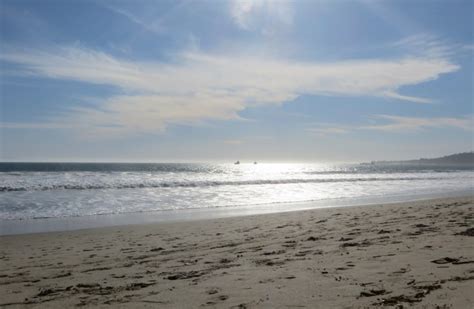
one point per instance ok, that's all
(458, 159)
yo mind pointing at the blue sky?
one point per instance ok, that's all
(225, 80)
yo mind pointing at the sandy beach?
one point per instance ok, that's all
(418, 254)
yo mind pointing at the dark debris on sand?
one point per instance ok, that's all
(454, 261)
(373, 292)
(468, 232)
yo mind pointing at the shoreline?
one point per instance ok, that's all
(411, 254)
(45, 225)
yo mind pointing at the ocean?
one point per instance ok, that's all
(41, 191)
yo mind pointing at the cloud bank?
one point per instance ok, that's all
(197, 87)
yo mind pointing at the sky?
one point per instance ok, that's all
(219, 81)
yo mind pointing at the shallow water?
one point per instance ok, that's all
(58, 190)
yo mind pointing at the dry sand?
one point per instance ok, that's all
(417, 254)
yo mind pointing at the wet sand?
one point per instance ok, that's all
(418, 254)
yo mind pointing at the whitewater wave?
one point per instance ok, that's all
(192, 184)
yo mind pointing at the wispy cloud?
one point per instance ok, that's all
(261, 15)
(329, 129)
(398, 96)
(233, 141)
(391, 123)
(155, 26)
(399, 123)
(196, 87)
(35, 125)
(469, 47)
(427, 45)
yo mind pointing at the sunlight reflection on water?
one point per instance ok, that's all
(91, 189)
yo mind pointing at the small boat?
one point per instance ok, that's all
(236, 163)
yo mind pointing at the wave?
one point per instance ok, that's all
(184, 184)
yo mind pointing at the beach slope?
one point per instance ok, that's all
(410, 254)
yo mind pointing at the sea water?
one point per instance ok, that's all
(32, 191)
